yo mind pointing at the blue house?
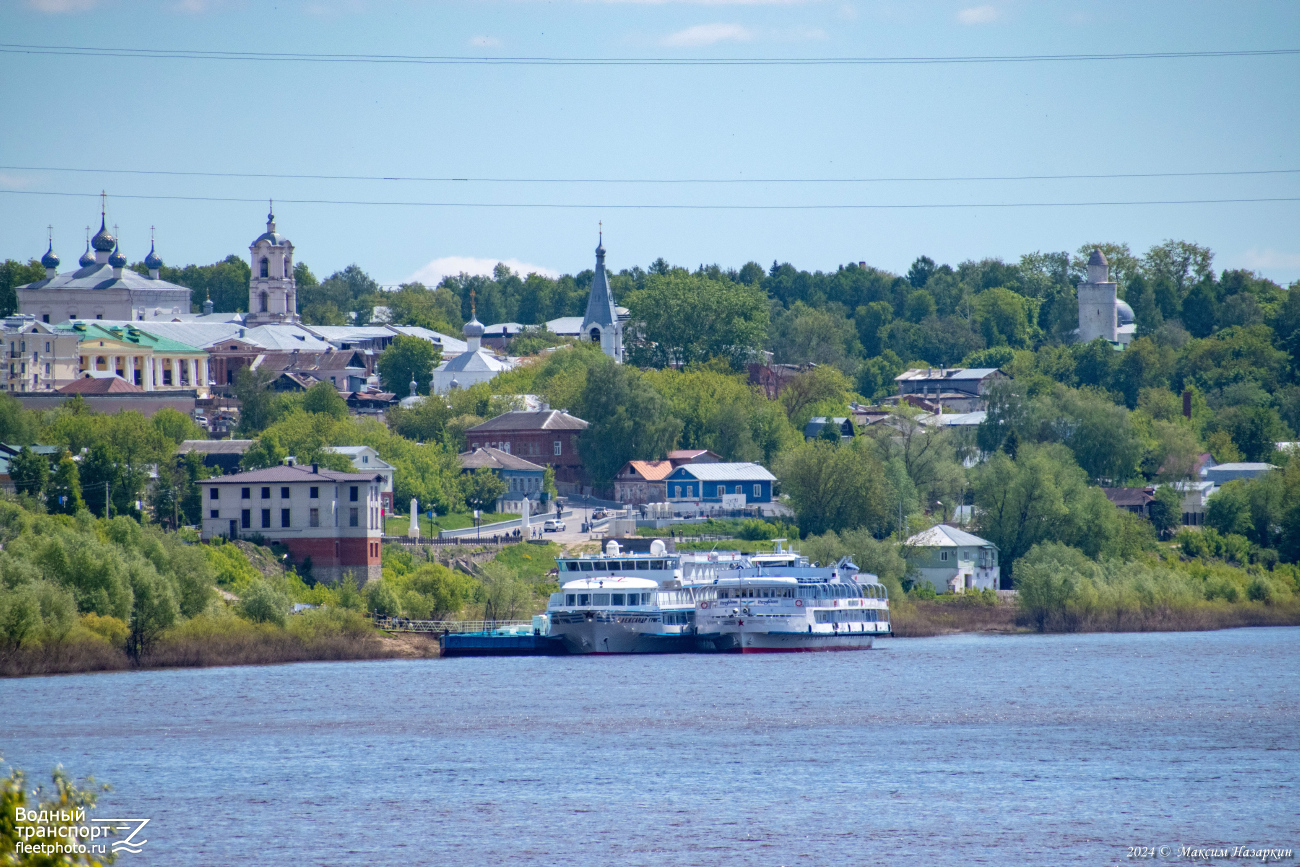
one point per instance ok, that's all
(709, 483)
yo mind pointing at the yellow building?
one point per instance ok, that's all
(151, 362)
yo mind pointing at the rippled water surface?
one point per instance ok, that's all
(957, 750)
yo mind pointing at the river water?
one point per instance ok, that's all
(957, 750)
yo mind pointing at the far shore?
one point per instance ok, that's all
(917, 619)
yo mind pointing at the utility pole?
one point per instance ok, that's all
(106, 499)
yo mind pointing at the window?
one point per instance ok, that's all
(214, 493)
(505, 447)
(266, 268)
(617, 599)
(584, 599)
(284, 518)
(45, 317)
(943, 555)
(266, 493)
(365, 459)
(739, 490)
(353, 515)
(167, 376)
(313, 518)
(677, 490)
(266, 519)
(569, 599)
(245, 494)
(215, 513)
(559, 447)
(600, 599)
(758, 490)
(246, 517)
(284, 493)
(352, 496)
(315, 495)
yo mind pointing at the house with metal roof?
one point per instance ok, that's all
(524, 479)
(956, 389)
(641, 482)
(548, 436)
(953, 561)
(729, 484)
(366, 460)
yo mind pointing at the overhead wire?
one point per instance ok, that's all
(474, 60)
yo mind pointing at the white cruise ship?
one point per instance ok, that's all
(770, 610)
(619, 602)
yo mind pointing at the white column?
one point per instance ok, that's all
(194, 373)
(146, 372)
(204, 372)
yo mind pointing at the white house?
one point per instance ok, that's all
(367, 460)
(953, 561)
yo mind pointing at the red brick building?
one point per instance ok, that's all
(334, 518)
(548, 436)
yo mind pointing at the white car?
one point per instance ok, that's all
(553, 527)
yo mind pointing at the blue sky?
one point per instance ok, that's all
(662, 123)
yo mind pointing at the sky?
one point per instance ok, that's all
(796, 163)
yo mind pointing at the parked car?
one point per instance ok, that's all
(553, 527)
(599, 514)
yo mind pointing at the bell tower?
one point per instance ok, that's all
(272, 294)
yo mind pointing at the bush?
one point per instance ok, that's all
(381, 599)
(262, 603)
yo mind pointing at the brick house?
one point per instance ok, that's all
(334, 518)
(548, 436)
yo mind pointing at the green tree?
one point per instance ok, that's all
(408, 359)
(685, 318)
(325, 399)
(176, 426)
(871, 319)
(12, 275)
(64, 798)
(483, 488)
(154, 608)
(834, 488)
(17, 425)
(63, 492)
(818, 387)
(822, 336)
(1166, 512)
(1200, 310)
(627, 418)
(30, 472)
(1181, 263)
(257, 403)
(1004, 318)
(1146, 311)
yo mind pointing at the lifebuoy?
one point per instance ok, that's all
(704, 605)
(798, 603)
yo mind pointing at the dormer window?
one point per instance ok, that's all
(266, 267)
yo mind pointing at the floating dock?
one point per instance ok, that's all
(495, 644)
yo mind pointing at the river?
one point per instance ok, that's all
(968, 749)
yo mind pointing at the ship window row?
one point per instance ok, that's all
(854, 615)
(842, 591)
(677, 618)
(611, 565)
(607, 599)
(757, 593)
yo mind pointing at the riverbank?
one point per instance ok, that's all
(923, 618)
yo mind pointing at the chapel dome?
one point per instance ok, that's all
(104, 242)
(1124, 313)
(50, 259)
(87, 258)
(473, 328)
(1097, 258)
(117, 260)
(152, 261)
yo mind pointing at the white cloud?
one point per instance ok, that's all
(1268, 258)
(978, 15)
(14, 182)
(707, 34)
(485, 42)
(58, 7)
(447, 266)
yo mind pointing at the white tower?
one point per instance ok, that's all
(601, 324)
(1098, 302)
(272, 295)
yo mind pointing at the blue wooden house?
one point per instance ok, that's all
(708, 483)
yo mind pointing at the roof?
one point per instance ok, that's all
(946, 374)
(100, 385)
(214, 447)
(565, 325)
(600, 303)
(450, 345)
(495, 459)
(731, 472)
(686, 456)
(286, 473)
(1128, 496)
(523, 420)
(91, 329)
(946, 536)
(356, 451)
(482, 360)
(1244, 467)
(1097, 257)
(955, 419)
(651, 471)
(100, 276)
(284, 337)
(817, 422)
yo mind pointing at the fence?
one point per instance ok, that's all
(438, 627)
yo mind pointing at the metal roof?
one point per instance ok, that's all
(286, 473)
(945, 536)
(496, 459)
(100, 276)
(528, 420)
(734, 472)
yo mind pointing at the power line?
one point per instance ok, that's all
(505, 180)
(466, 60)
(669, 207)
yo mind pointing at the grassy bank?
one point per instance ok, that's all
(397, 525)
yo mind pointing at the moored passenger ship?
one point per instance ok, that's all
(757, 613)
(620, 602)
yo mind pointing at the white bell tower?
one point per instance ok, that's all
(272, 294)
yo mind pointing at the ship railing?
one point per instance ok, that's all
(438, 627)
